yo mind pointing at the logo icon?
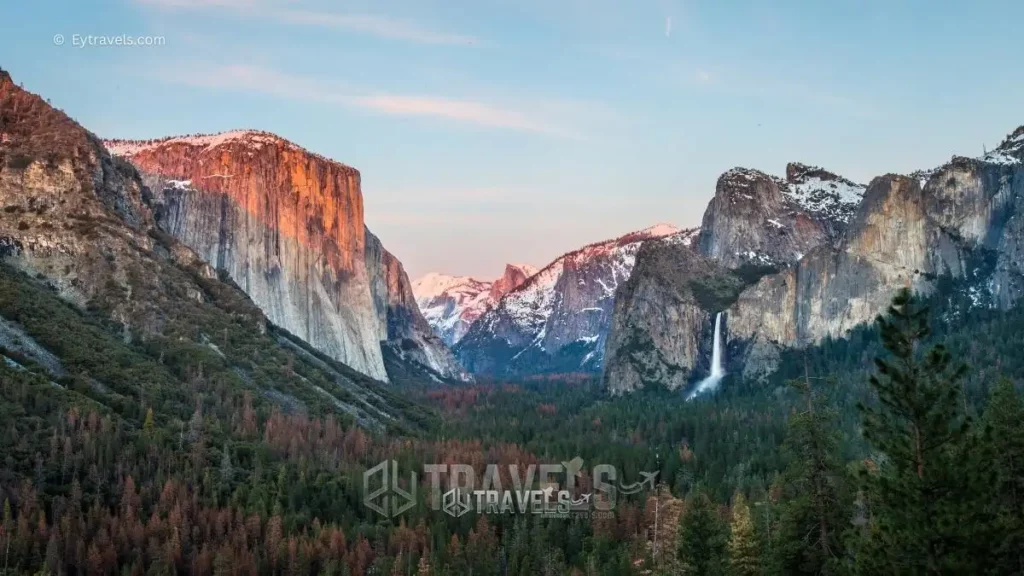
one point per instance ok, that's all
(389, 499)
(456, 503)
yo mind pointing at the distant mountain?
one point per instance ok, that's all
(287, 226)
(792, 261)
(558, 319)
(452, 303)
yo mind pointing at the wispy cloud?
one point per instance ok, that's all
(373, 25)
(291, 87)
(370, 24)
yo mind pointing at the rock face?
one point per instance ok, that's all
(71, 213)
(558, 320)
(80, 222)
(407, 333)
(962, 220)
(760, 220)
(452, 303)
(285, 224)
(658, 326)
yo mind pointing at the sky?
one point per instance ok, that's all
(494, 131)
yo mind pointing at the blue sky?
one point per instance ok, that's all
(493, 131)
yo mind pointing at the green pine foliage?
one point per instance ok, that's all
(1004, 440)
(814, 511)
(927, 501)
(702, 537)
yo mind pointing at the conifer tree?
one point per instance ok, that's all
(701, 537)
(743, 548)
(1004, 440)
(925, 509)
(813, 514)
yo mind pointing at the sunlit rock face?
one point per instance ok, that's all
(287, 226)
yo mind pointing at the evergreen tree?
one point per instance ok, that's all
(927, 519)
(701, 537)
(1004, 439)
(813, 514)
(744, 552)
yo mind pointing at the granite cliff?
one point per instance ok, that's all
(557, 320)
(815, 255)
(287, 226)
(138, 312)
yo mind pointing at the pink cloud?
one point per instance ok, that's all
(255, 79)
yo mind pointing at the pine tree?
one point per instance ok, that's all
(813, 514)
(701, 537)
(925, 510)
(1004, 441)
(147, 426)
(743, 548)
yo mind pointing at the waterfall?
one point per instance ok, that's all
(717, 370)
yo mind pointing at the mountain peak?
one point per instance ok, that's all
(1010, 150)
(660, 229)
(797, 172)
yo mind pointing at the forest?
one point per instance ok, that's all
(897, 450)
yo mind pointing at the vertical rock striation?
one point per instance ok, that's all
(287, 226)
(408, 334)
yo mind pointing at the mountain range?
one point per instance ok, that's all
(452, 303)
(788, 260)
(558, 319)
(792, 261)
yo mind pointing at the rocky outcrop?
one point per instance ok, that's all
(751, 221)
(659, 333)
(960, 221)
(558, 320)
(71, 213)
(407, 332)
(286, 225)
(512, 278)
(452, 303)
(79, 223)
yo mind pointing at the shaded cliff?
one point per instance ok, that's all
(408, 335)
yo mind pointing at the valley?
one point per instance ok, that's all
(206, 355)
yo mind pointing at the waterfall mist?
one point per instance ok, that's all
(717, 370)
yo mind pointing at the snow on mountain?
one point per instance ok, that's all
(822, 194)
(452, 303)
(558, 319)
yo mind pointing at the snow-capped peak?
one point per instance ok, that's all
(659, 230)
(451, 304)
(434, 284)
(821, 192)
(1010, 151)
